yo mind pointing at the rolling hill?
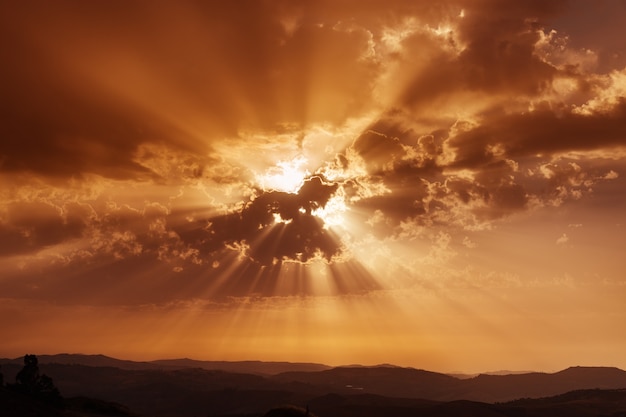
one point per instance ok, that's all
(175, 388)
(251, 367)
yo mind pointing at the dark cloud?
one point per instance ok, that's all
(490, 50)
(124, 255)
(379, 151)
(595, 29)
(278, 226)
(503, 62)
(503, 158)
(543, 132)
(275, 227)
(389, 149)
(81, 94)
(30, 227)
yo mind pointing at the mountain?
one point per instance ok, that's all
(18, 405)
(179, 392)
(87, 360)
(586, 403)
(385, 380)
(381, 380)
(583, 403)
(413, 383)
(493, 388)
(580, 403)
(251, 367)
(171, 390)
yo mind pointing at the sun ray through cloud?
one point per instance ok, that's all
(285, 180)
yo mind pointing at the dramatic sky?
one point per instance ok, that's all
(436, 184)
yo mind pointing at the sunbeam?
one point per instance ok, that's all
(428, 184)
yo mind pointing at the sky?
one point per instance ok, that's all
(440, 185)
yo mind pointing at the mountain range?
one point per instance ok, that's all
(185, 387)
(251, 367)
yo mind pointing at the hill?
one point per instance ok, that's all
(585, 403)
(175, 389)
(251, 367)
(17, 404)
(87, 360)
(413, 383)
(382, 380)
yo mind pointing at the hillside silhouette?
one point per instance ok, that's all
(414, 383)
(250, 367)
(161, 389)
(289, 411)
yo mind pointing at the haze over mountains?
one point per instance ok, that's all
(186, 387)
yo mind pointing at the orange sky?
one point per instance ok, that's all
(431, 184)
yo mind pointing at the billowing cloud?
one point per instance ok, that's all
(243, 139)
(275, 226)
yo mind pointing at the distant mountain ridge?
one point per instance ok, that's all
(251, 367)
(87, 360)
(254, 367)
(384, 380)
(414, 383)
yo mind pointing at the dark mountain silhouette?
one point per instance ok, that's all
(413, 383)
(586, 403)
(289, 411)
(90, 407)
(250, 367)
(491, 388)
(580, 403)
(383, 380)
(34, 394)
(87, 360)
(460, 375)
(37, 386)
(338, 392)
(18, 404)
(181, 392)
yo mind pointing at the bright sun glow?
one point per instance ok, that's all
(286, 176)
(333, 212)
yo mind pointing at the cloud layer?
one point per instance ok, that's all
(142, 145)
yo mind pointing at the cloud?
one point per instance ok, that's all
(594, 29)
(157, 141)
(279, 226)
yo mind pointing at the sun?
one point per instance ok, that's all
(287, 176)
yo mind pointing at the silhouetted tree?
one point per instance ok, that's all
(28, 381)
(1, 378)
(29, 375)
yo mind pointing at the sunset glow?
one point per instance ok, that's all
(286, 176)
(439, 185)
